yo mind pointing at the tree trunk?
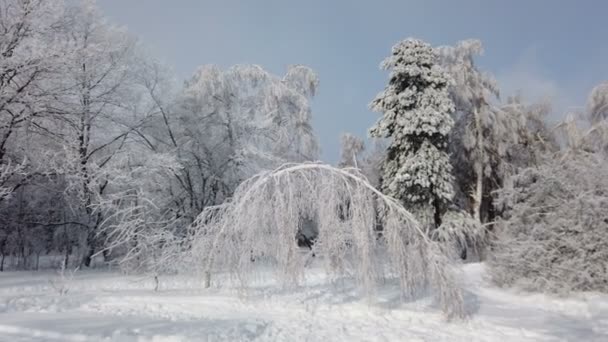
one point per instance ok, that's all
(92, 245)
(437, 213)
(106, 255)
(66, 259)
(2, 263)
(88, 255)
(478, 191)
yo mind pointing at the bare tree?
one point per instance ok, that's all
(92, 126)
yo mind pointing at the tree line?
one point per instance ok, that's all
(91, 125)
(103, 153)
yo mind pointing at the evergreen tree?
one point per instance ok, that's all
(416, 109)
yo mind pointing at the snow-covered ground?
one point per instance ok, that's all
(108, 306)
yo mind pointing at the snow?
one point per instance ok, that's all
(108, 306)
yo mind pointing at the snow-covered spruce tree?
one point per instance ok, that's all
(258, 225)
(416, 109)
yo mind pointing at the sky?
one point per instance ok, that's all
(547, 49)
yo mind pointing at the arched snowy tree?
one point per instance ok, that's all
(416, 109)
(260, 223)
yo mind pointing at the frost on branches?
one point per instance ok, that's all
(352, 147)
(258, 227)
(597, 103)
(554, 235)
(368, 160)
(232, 124)
(459, 232)
(475, 141)
(416, 109)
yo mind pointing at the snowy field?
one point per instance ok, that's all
(108, 306)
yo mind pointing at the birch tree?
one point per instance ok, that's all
(260, 221)
(225, 126)
(472, 92)
(490, 140)
(350, 153)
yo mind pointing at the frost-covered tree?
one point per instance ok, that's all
(8, 171)
(219, 129)
(490, 141)
(264, 118)
(531, 140)
(551, 236)
(460, 232)
(140, 224)
(70, 110)
(472, 140)
(416, 109)
(256, 228)
(228, 125)
(368, 160)
(29, 55)
(372, 160)
(597, 103)
(578, 140)
(29, 58)
(352, 146)
(554, 232)
(92, 124)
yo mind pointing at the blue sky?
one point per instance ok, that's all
(547, 49)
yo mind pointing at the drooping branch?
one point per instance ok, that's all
(362, 233)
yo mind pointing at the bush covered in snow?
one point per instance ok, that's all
(554, 233)
(460, 232)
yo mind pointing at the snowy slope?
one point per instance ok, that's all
(107, 306)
